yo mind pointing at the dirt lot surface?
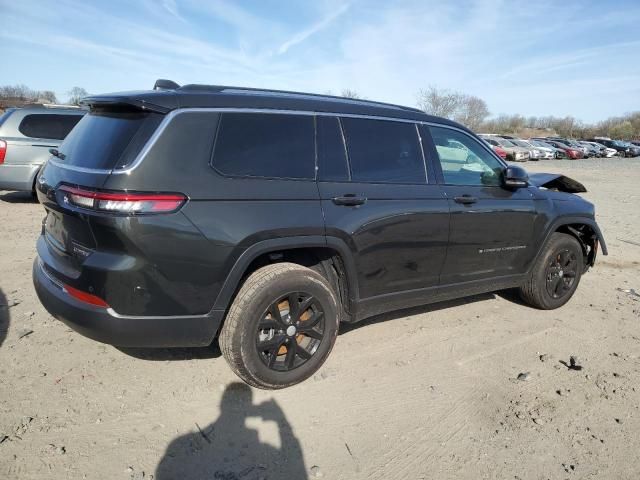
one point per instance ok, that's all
(427, 393)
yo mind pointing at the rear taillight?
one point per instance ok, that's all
(122, 202)
(3, 151)
(85, 297)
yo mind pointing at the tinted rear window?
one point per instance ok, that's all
(332, 158)
(383, 151)
(107, 140)
(265, 145)
(48, 125)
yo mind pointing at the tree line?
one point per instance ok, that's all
(473, 112)
(19, 95)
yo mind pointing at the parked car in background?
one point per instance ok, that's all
(592, 151)
(632, 150)
(623, 149)
(572, 143)
(26, 135)
(501, 152)
(536, 153)
(571, 152)
(604, 150)
(555, 151)
(514, 152)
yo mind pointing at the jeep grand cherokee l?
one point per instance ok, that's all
(266, 218)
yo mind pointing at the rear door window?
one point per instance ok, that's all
(332, 157)
(383, 151)
(106, 140)
(48, 125)
(265, 145)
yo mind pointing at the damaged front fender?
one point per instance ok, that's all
(556, 181)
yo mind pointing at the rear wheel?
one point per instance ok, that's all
(556, 274)
(281, 327)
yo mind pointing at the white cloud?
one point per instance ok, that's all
(313, 29)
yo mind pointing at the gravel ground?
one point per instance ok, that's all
(468, 389)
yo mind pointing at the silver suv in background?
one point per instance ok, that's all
(26, 135)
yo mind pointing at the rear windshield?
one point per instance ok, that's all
(48, 125)
(106, 140)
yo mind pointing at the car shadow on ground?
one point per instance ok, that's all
(18, 197)
(421, 309)
(228, 449)
(4, 317)
(213, 350)
(168, 354)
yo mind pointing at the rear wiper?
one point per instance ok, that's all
(56, 153)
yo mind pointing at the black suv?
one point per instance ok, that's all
(266, 218)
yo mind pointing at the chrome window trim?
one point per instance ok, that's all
(174, 113)
(424, 157)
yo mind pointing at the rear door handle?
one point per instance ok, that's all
(466, 199)
(349, 200)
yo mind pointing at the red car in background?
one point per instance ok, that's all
(502, 153)
(572, 153)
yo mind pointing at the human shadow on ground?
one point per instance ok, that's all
(227, 449)
(4, 317)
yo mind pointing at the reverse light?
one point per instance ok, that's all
(122, 202)
(85, 297)
(3, 151)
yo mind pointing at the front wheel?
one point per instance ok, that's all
(556, 273)
(281, 326)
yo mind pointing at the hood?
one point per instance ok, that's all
(556, 181)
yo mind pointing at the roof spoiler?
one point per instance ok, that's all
(126, 102)
(164, 84)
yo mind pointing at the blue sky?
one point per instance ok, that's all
(546, 57)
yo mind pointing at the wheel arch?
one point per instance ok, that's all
(584, 229)
(329, 256)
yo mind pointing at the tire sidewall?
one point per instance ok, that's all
(304, 281)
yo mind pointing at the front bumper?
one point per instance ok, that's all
(105, 325)
(18, 177)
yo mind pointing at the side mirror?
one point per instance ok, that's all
(515, 177)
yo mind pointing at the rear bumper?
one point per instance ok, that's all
(104, 325)
(18, 177)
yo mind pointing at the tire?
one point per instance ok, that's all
(556, 273)
(261, 323)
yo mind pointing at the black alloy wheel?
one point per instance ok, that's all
(561, 273)
(290, 331)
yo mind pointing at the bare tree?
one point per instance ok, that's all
(350, 93)
(466, 109)
(47, 96)
(442, 103)
(76, 94)
(472, 112)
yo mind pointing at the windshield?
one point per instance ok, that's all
(521, 143)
